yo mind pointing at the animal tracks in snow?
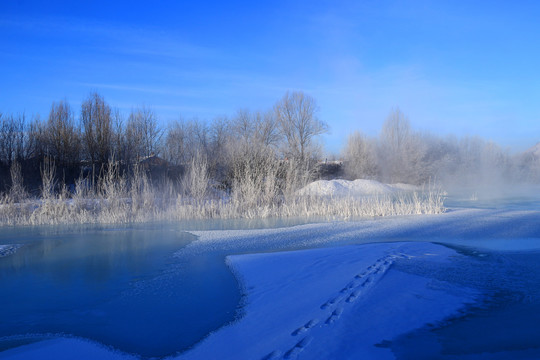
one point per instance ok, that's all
(332, 309)
(334, 316)
(306, 327)
(297, 349)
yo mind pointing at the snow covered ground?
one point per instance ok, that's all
(344, 299)
(334, 303)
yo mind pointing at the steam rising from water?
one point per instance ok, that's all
(468, 167)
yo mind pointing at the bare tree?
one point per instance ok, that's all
(34, 144)
(361, 157)
(11, 137)
(219, 132)
(174, 144)
(98, 128)
(184, 140)
(119, 140)
(402, 152)
(219, 135)
(267, 128)
(256, 128)
(296, 116)
(143, 133)
(197, 135)
(62, 137)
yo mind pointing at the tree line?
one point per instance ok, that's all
(242, 151)
(77, 140)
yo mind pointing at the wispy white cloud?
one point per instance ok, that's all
(117, 38)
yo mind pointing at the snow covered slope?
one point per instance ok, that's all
(337, 188)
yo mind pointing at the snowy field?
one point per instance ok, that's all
(334, 303)
(345, 289)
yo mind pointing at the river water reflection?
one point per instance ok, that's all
(120, 286)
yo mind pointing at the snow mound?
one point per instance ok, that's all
(358, 187)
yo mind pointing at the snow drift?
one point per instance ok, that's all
(360, 187)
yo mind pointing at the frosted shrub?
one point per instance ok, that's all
(17, 192)
(428, 202)
(197, 180)
(48, 182)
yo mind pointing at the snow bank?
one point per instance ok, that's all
(482, 228)
(334, 303)
(338, 188)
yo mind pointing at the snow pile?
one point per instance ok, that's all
(360, 187)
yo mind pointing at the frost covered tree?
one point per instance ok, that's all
(247, 147)
(401, 151)
(174, 143)
(296, 115)
(196, 182)
(184, 140)
(360, 155)
(142, 133)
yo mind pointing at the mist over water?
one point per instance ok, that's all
(467, 168)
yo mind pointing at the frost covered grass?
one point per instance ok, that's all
(116, 198)
(425, 202)
(151, 205)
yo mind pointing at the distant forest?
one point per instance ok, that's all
(83, 142)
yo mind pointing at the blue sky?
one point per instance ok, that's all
(453, 67)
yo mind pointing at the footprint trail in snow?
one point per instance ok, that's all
(331, 310)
